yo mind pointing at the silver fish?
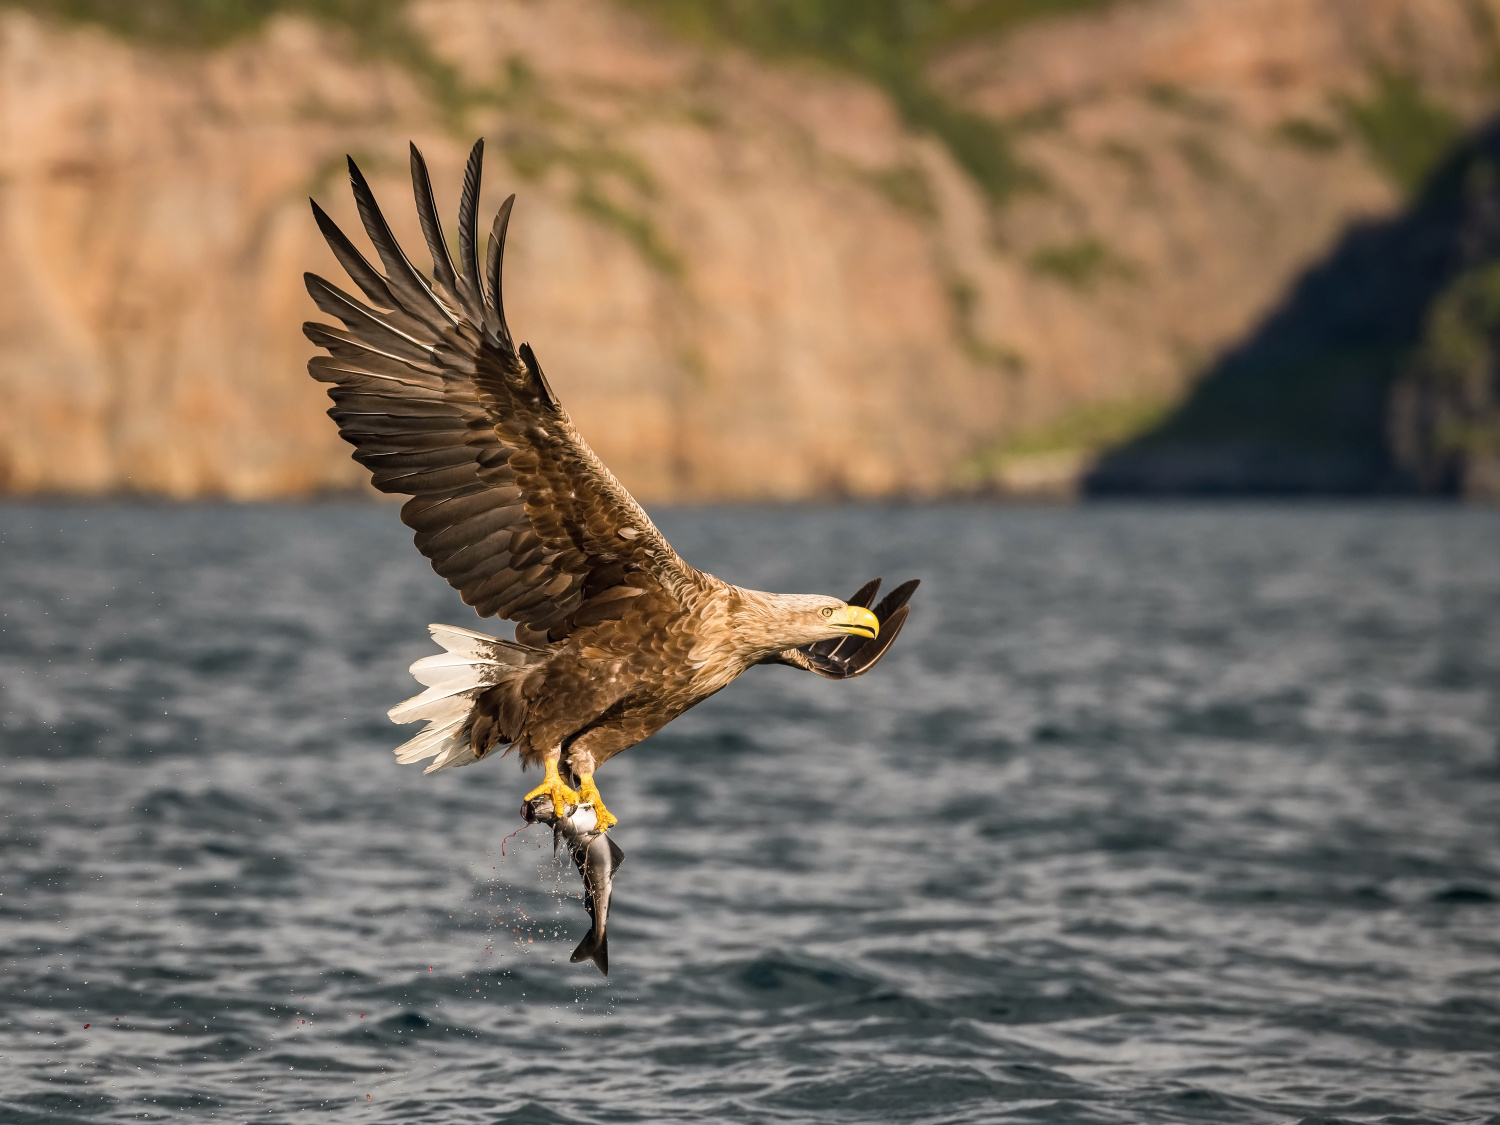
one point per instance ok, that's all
(597, 858)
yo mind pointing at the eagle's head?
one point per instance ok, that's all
(768, 623)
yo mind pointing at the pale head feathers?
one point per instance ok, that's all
(764, 623)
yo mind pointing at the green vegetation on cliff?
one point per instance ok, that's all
(212, 23)
(1406, 134)
(1081, 263)
(378, 26)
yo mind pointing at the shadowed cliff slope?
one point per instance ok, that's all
(1305, 404)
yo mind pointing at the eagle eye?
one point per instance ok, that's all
(826, 611)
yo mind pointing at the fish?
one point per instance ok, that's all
(597, 858)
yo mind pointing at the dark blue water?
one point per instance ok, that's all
(1152, 815)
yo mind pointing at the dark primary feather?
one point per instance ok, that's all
(432, 228)
(472, 288)
(508, 502)
(493, 258)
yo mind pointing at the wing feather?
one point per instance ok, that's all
(470, 287)
(475, 559)
(376, 377)
(363, 321)
(429, 515)
(419, 430)
(342, 345)
(493, 258)
(432, 228)
(481, 528)
(414, 457)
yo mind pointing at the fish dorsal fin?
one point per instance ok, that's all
(616, 856)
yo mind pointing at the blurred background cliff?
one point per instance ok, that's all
(780, 248)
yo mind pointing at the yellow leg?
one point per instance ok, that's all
(552, 786)
(588, 793)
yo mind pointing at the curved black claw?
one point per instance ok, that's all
(843, 658)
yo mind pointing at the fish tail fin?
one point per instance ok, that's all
(472, 664)
(593, 949)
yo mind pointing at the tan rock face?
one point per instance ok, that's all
(745, 280)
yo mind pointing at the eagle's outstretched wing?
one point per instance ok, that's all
(847, 657)
(507, 500)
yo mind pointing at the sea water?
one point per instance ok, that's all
(1153, 814)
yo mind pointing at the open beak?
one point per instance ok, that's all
(857, 621)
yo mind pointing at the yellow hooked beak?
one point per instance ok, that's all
(855, 620)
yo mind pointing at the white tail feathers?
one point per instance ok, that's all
(466, 642)
(473, 663)
(437, 739)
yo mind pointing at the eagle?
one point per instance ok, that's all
(615, 635)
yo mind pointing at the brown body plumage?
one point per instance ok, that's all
(616, 635)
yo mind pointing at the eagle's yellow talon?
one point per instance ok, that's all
(553, 787)
(588, 793)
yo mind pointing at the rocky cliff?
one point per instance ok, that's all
(748, 275)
